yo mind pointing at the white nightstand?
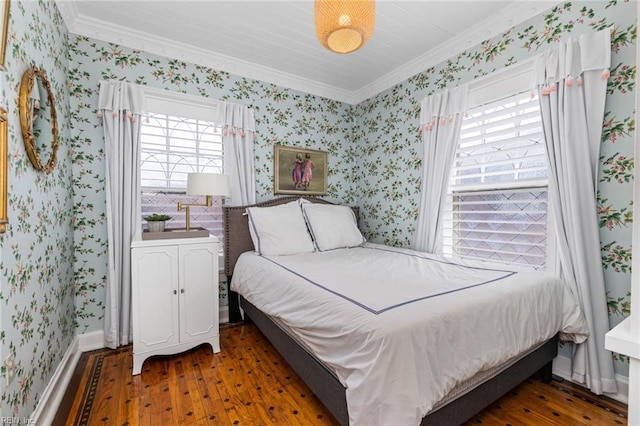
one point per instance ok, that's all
(174, 296)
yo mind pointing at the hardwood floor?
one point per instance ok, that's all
(248, 383)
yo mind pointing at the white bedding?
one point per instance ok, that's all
(401, 328)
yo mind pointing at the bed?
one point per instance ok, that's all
(333, 355)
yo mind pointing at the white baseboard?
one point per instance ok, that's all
(48, 405)
(562, 368)
(224, 314)
(91, 341)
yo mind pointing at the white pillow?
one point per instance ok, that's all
(279, 230)
(332, 227)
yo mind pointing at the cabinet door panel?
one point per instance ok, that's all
(155, 296)
(199, 301)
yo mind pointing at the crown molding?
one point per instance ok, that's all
(132, 38)
(68, 10)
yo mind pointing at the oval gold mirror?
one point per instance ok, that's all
(38, 119)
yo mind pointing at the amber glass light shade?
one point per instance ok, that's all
(344, 26)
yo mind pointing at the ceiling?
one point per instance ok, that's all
(274, 41)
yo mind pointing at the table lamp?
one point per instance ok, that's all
(208, 184)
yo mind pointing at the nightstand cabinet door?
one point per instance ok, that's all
(199, 287)
(155, 297)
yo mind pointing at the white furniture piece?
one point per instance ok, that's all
(174, 296)
(625, 339)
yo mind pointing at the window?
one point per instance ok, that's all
(497, 196)
(177, 138)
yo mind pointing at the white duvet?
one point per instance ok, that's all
(401, 328)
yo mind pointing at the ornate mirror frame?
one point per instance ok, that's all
(4, 141)
(31, 77)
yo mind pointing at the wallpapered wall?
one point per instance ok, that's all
(283, 116)
(374, 148)
(36, 269)
(374, 160)
(389, 147)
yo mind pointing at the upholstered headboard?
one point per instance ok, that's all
(237, 238)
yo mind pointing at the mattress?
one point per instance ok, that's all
(402, 329)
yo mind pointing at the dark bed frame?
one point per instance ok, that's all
(323, 383)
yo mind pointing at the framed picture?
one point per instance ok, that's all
(300, 171)
(4, 30)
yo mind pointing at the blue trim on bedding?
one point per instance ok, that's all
(255, 231)
(417, 254)
(309, 227)
(355, 302)
(376, 312)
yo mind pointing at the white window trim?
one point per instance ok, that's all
(501, 84)
(182, 104)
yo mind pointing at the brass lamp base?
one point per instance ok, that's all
(208, 203)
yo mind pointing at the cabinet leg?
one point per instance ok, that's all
(138, 360)
(215, 344)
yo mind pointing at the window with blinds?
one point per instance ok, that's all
(171, 147)
(497, 197)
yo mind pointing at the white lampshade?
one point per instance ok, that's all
(208, 184)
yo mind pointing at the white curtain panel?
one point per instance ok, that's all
(120, 105)
(441, 117)
(238, 134)
(572, 83)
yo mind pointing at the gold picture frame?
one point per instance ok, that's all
(4, 30)
(291, 164)
(4, 141)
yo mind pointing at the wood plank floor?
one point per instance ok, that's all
(248, 383)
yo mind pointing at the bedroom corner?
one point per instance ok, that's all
(37, 313)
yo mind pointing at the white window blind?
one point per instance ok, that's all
(171, 147)
(497, 198)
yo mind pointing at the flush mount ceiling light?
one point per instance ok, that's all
(344, 26)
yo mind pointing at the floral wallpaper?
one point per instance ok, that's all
(388, 169)
(53, 256)
(36, 267)
(283, 117)
(374, 148)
